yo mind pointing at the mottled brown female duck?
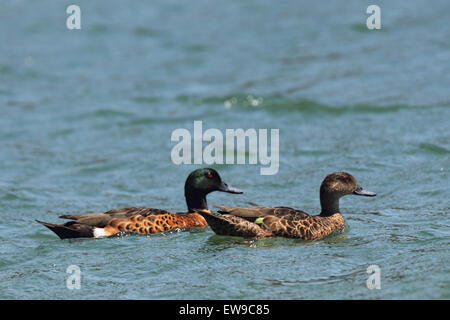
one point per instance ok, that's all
(260, 222)
(146, 220)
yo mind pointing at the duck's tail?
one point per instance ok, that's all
(71, 230)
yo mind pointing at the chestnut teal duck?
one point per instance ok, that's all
(261, 222)
(146, 220)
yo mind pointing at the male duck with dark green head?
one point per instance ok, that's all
(198, 185)
(260, 222)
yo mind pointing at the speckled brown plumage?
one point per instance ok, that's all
(139, 220)
(231, 225)
(154, 223)
(288, 222)
(277, 222)
(198, 185)
(101, 219)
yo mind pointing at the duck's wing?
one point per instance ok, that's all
(302, 226)
(90, 225)
(101, 219)
(231, 225)
(276, 221)
(259, 211)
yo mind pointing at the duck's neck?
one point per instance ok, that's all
(329, 203)
(195, 200)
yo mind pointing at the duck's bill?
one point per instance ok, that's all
(226, 188)
(360, 191)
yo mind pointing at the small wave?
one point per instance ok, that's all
(104, 113)
(6, 69)
(145, 32)
(362, 27)
(433, 148)
(153, 120)
(145, 100)
(277, 103)
(136, 121)
(99, 29)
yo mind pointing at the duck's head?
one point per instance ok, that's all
(199, 183)
(336, 185)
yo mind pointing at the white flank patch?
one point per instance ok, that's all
(99, 233)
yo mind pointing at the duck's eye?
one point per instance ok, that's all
(209, 175)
